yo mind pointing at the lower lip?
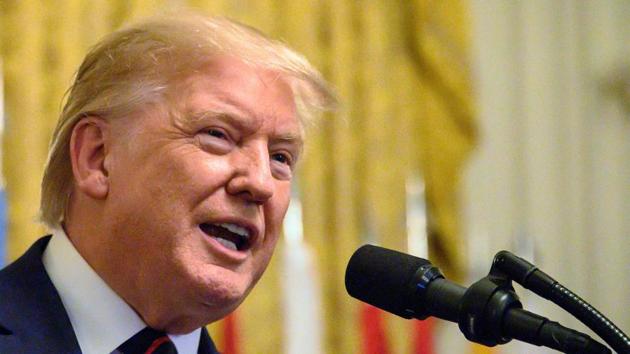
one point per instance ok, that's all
(218, 248)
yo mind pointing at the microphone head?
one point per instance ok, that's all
(383, 278)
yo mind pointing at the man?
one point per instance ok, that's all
(166, 186)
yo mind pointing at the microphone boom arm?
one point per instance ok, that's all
(489, 312)
(534, 279)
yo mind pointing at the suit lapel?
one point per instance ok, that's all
(31, 311)
(32, 316)
(206, 346)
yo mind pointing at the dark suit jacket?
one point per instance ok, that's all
(32, 316)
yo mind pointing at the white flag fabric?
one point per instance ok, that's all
(417, 238)
(302, 309)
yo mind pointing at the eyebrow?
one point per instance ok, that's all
(235, 112)
(231, 116)
(292, 139)
(238, 119)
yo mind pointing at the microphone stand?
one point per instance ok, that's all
(492, 314)
(534, 279)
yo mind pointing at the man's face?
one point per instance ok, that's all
(196, 202)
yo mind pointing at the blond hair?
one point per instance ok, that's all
(137, 65)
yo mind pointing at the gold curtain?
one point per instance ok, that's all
(401, 70)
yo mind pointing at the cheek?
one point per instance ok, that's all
(191, 177)
(262, 260)
(277, 208)
(201, 170)
(274, 217)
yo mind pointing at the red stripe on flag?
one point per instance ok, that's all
(423, 331)
(373, 335)
(230, 334)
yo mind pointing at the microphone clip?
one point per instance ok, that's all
(484, 307)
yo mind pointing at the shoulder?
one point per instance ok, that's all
(18, 278)
(25, 271)
(32, 316)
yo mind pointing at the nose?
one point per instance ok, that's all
(252, 179)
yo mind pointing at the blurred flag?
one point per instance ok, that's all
(230, 334)
(423, 332)
(423, 342)
(302, 304)
(371, 319)
(482, 349)
(373, 335)
(417, 236)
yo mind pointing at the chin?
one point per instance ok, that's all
(222, 294)
(216, 314)
(212, 292)
(192, 315)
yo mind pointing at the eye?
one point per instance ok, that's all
(282, 164)
(282, 158)
(216, 133)
(215, 140)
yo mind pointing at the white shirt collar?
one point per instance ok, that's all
(101, 319)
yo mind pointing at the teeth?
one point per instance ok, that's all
(226, 243)
(230, 236)
(241, 231)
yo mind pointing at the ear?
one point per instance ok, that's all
(89, 146)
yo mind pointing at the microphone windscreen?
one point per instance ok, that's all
(383, 278)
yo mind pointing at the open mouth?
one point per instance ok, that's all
(231, 236)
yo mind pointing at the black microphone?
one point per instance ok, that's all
(393, 281)
(489, 312)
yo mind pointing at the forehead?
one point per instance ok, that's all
(229, 87)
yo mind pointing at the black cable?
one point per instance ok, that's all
(518, 324)
(490, 313)
(589, 315)
(534, 279)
